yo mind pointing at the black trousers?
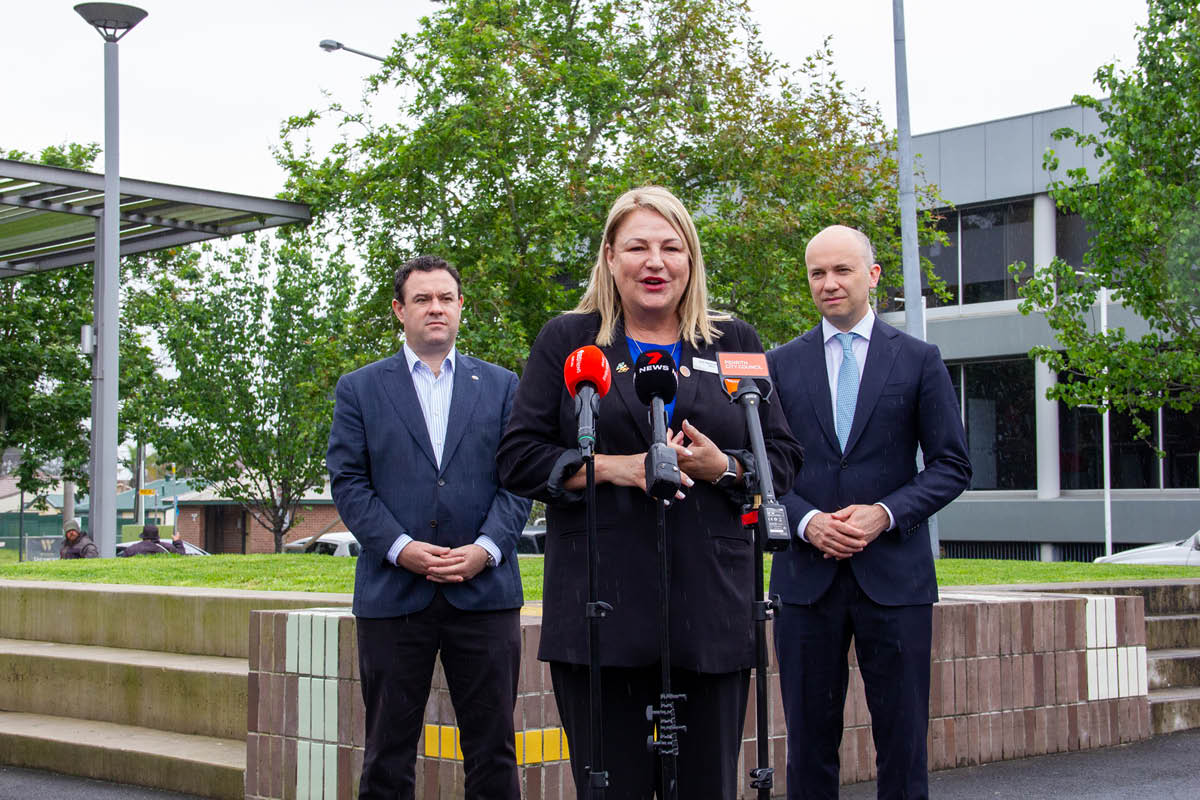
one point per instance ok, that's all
(714, 713)
(892, 642)
(481, 656)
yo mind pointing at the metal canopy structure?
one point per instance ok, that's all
(52, 217)
(49, 216)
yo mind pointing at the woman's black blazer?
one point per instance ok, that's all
(711, 627)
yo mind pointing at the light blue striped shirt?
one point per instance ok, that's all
(434, 393)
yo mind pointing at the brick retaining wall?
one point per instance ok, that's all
(1013, 674)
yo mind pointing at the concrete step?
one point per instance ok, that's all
(1174, 709)
(188, 694)
(1172, 598)
(1172, 631)
(1175, 668)
(198, 765)
(173, 619)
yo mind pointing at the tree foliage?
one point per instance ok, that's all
(522, 120)
(45, 380)
(1142, 209)
(255, 338)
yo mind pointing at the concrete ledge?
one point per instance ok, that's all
(170, 619)
(1175, 709)
(125, 754)
(201, 695)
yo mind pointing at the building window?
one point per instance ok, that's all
(993, 237)
(999, 419)
(1071, 238)
(983, 241)
(1181, 443)
(1134, 460)
(945, 262)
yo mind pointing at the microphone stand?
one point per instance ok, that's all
(596, 609)
(768, 521)
(661, 464)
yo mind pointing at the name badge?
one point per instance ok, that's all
(705, 365)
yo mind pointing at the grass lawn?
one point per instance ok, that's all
(313, 573)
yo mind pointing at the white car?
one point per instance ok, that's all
(334, 543)
(1184, 553)
(297, 546)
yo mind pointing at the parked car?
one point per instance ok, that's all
(189, 549)
(297, 546)
(1185, 552)
(533, 539)
(335, 543)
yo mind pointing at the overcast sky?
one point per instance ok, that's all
(205, 85)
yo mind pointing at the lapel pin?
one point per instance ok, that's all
(474, 377)
(685, 372)
(622, 367)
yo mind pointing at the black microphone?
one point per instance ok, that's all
(655, 383)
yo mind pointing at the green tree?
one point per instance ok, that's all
(255, 336)
(1142, 209)
(45, 381)
(522, 120)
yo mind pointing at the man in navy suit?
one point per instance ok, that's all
(412, 464)
(861, 397)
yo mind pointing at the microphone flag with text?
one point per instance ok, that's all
(655, 383)
(588, 378)
(748, 383)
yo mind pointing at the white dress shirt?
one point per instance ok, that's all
(860, 344)
(434, 393)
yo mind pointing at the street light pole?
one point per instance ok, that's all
(112, 21)
(329, 45)
(1106, 443)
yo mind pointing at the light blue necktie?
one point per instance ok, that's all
(847, 388)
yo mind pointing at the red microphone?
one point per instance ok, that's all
(588, 378)
(587, 365)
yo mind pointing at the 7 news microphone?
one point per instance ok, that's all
(588, 378)
(655, 383)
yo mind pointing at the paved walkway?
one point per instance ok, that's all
(1162, 768)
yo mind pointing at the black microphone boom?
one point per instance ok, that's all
(655, 383)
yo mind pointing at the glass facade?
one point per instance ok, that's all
(1070, 238)
(992, 238)
(945, 262)
(1079, 447)
(1181, 444)
(997, 398)
(983, 241)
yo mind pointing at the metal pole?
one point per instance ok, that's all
(1107, 444)
(914, 308)
(914, 311)
(21, 528)
(104, 488)
(68, 506)
(139, 480)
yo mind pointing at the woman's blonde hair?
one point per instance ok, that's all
(695, 320)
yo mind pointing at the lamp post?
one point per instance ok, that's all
(112, 21)
(1104, 435)
(329, 45)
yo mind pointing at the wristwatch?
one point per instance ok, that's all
(729, 476)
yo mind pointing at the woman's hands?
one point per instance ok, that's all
(698, 456)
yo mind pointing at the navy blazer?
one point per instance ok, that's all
(905, 399)
(386, 482)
